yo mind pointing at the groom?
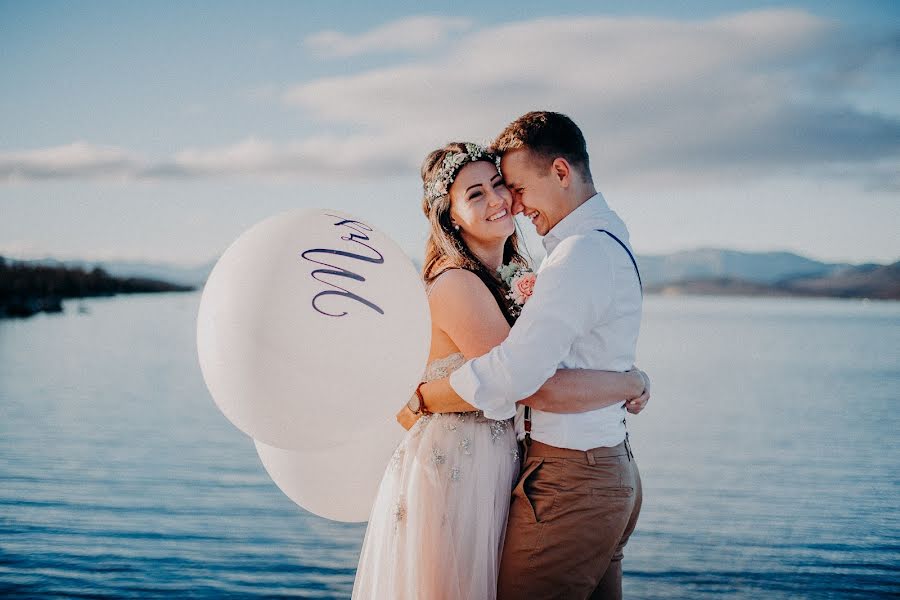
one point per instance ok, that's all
(578, 496)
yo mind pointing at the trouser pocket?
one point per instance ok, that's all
(532, 465)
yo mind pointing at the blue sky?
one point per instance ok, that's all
(162, 130)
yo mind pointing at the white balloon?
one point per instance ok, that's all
(312, 327)
(338, 483)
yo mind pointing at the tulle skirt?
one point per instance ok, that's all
(437, 525)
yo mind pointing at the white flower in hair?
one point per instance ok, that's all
(450, 167)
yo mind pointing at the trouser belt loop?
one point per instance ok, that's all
(527, 425)
(628, 447)
(627, 444)
(590, 458)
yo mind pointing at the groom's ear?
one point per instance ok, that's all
(561, 171)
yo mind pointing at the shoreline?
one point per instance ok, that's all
(26, 290)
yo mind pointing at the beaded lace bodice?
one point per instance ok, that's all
(442, 367)
(447, 443)
(452, 423)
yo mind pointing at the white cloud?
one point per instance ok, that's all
(353, 156)
(411, 34)
(78, 159)
(662, 102)
(658, 99)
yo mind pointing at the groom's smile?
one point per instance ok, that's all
(534, 190)
(532, 215)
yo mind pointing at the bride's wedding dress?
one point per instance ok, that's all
(437, 525)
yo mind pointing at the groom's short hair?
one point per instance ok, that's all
(547, 136)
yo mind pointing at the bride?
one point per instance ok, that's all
(437, 525)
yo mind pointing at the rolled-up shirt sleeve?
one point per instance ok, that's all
(572, 291)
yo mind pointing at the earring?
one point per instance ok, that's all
(456, 226)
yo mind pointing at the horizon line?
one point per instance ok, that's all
(47, 256)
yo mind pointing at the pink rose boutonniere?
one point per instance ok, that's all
(520, 280)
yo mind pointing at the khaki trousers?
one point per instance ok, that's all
(571, 515)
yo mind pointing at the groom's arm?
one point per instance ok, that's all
(571, 294)
(567, 391)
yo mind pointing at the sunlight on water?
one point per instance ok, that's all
(769, 456)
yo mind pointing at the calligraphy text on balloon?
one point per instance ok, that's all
(356, 235)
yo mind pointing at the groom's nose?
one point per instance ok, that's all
(517, 206)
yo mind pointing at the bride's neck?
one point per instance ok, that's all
(490, 255)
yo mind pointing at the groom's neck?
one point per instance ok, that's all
(580, 194)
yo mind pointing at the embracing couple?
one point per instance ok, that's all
(526, 401)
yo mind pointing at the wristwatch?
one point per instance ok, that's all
(418, 401)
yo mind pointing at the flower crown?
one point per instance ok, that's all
(439, 185)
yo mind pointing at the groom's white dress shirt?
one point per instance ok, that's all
(584, 313)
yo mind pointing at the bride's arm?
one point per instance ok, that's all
(461, 302)
(464, 309)
(568, 391)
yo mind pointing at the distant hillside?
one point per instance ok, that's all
(877, 282)
(703, 271)
(171, 272)
(708, 263)
(711, 263)
(864, 281)
(27, 288)
(187, 275)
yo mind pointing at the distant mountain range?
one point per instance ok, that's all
(707, 271)
(172, 272)
(712, 263)
(731, 273)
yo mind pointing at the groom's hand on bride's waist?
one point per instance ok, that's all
(636, 405)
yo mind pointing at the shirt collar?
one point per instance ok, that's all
(587, 215)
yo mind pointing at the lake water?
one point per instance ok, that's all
(769, 455)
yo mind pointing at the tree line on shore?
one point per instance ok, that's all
(26, 288)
